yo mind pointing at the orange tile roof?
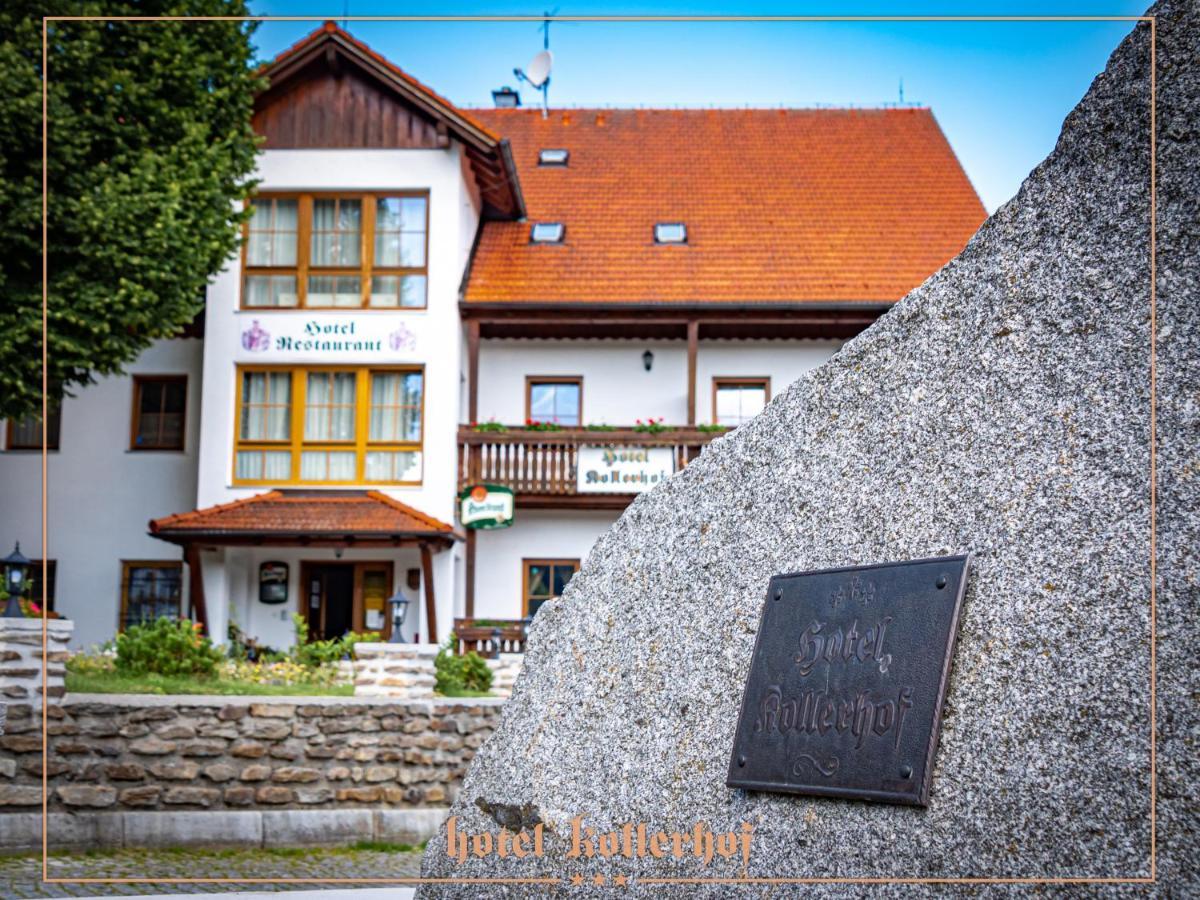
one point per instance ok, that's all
(304, 514)
(785, 206)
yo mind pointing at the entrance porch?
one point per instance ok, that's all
(334, 557)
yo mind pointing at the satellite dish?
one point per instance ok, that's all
(539, 68)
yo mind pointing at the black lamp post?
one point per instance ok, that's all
(16, 566)
(399, 605)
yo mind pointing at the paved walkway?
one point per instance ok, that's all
(21, 876)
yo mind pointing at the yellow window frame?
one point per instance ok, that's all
(304, 268)
(296, 443)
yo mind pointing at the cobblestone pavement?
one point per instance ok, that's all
(21, 876)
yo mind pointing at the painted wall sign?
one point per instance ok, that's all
(846, 685)
(486, 506)
(288, 336)
(622, 470)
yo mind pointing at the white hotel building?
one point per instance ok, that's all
(419, 282)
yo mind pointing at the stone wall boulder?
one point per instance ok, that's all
(1002, 408)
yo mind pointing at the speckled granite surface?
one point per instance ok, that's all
(1002, 408)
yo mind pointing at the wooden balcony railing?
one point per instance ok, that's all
(489, 637)
(544, 462)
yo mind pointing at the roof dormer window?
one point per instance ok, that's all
(546, 233)
(670, 233)
(557, 157)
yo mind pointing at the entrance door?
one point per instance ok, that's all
(341, 597)
(330, 601)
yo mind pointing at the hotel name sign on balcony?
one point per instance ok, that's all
(304, 337)
(622, 470)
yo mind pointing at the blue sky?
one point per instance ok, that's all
(999, 90)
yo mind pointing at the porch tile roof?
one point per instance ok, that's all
(782, 206)
(301, 514)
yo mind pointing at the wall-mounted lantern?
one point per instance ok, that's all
(648, 360)
(16, 567)
(399, 604)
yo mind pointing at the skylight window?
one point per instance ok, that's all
(553, 157)
(670, 233)
(546, 233)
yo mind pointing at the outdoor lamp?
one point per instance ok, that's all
(399, 605)
(16, 566)
(647, 360)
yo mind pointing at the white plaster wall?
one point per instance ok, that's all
(617, 390)
(782, 361)
(102, 495)
(453, 219)
(272, 623)
(534, 534)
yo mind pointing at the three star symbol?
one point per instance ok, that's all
(620, 880)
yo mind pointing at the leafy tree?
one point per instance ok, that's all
(149, 145)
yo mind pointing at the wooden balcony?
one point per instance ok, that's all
(540, 466)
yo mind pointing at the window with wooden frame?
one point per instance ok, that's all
(542, 580)
(159, 411)
(337, 251)
(150, 590)
(329, 425)
(26, 433)
(554, 398)
(737, 400)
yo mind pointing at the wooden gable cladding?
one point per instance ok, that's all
(340, 109)
(332, 91)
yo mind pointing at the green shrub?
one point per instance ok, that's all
(312, 654)
(167, 647)
(456, 674)
(475, 672)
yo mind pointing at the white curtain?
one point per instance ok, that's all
(385, 391)
(273, 230)
(264, 465)
(327, 465)
(393, 466)
(266, 398)
(329, 415)
(395, 406)
(336, 230)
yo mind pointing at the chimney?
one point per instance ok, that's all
(506, 98)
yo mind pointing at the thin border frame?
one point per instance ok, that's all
(1153, 673)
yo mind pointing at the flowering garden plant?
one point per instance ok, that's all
(535, 425)
(489, 425)
(651, 426)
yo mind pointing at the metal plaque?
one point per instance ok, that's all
(844, 697)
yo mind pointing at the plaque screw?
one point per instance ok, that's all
(941, 582)
(741, 760)
(906, 771)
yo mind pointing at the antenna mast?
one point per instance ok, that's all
(546, 47)
(538, 76)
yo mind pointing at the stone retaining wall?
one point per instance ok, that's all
(128, 752)
(402, 671)
(21, 658)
